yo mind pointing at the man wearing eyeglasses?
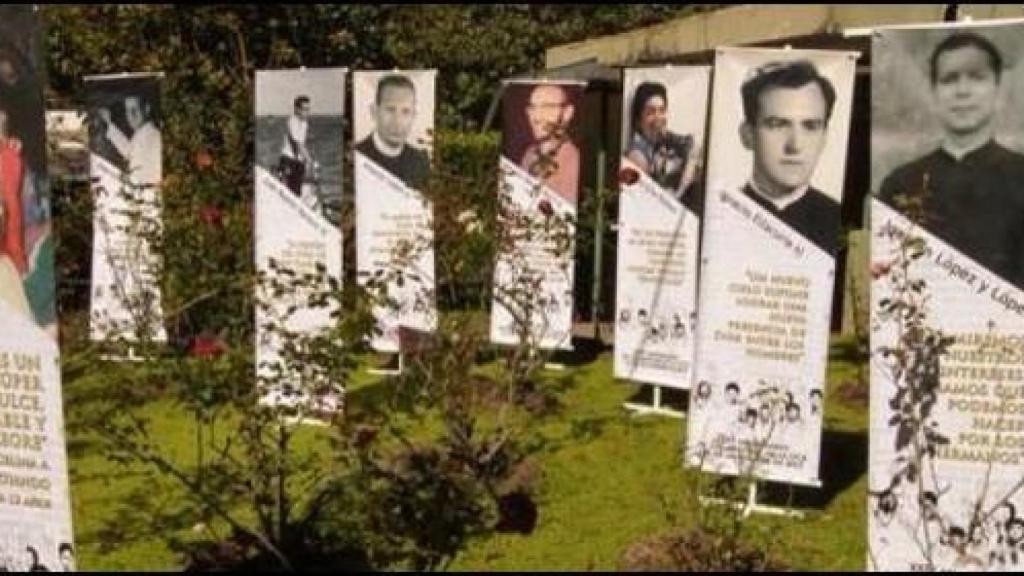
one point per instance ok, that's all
(551, 155)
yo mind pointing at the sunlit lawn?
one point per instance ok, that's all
(608, 478)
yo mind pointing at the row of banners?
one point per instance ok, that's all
(755, 361)
(945, 473)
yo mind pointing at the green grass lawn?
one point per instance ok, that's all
(608, 477)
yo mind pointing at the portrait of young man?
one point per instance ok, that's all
(550, 154)
(388, 146)
(786, 111)
(970, 188)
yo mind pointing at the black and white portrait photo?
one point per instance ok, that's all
(126, 168)
(787, 106)
(125, 124)
(393, 123)
(947, 217)
(781, 136)
(780, 125)
(948, 139)
(394, 114)
(300, 116)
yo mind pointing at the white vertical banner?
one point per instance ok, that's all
(300, 117)
(393, 126)
(539, 188)
(126, 168)
(35, 503)
(664, 110)
(779, 129)
(946, 467)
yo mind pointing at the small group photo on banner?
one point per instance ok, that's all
(947, 306)
(780, 122)
(393, 127)
(661, 178)
(539, 190)
(300, 119)
(35, 502)
(126, 169)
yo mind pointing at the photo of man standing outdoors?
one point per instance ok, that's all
(295, 157)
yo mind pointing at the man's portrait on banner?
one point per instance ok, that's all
(539, 133)
(125, 127)
(787, 106)
(967, 188)
(300, 120)
(392, 144)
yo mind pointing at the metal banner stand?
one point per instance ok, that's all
(752, 507)
(389, 371)
(552, 366)
(131, 357)
(655, 407)
(305, 420)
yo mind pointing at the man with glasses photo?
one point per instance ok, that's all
(551, 155)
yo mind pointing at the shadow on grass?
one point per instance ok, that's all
(671, 398)
(142, 514)
(107, 475)
(368, 396)
(80, 447)
(581, 430)
(844, 459)
(588, 429)
(847, 350)
(584, 351)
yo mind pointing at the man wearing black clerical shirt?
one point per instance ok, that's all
(394, 110)
(970, 188)
(786, 108)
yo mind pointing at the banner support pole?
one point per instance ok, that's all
(388, 371)
(130, 357)
(655, 407)
(752, 507)
(595, 285)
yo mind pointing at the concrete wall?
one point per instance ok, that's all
(754, 24)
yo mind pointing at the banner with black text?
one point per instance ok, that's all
(539, 187)
(394, 122)
(126, 168)
(661, 181)
(779, 129)
(300, 118)
(35, 502)
(946, 468)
